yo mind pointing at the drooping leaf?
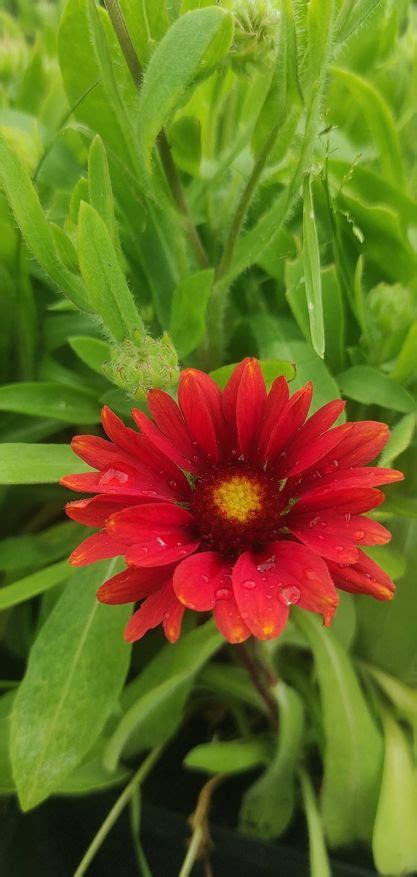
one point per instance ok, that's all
(34, 584)
(50, 400)
(37, 464)
(366, 384)
(353, 747)
(230, 756)
(75, 673)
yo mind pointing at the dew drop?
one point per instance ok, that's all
(223, 594)
(113, 477)
(359, 534)
(290, 595)
(160, 542)
(335, 464)
(310, 574)
(339, 548)
(204, 579)
(172, 484)
(323, 524)
(347, 517)
(249, 585)
(145, 549)
(314, 521)
(166, 615)
(267, 565)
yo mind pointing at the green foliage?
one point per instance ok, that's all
(198, 182)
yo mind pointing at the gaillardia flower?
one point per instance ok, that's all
(232, 502)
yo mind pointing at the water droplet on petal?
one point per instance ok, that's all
(160, 542)
(267, 565)
(223, 594)
(310, 574)
(113, 477)
(172, 484)
(347, 517)
(314, 521)
(359, 534)
(204, 579)
(249, 585)
(166, 615)
(290, 595)
(339, 548)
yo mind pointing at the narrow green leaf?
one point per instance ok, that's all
(312, 270)
(92, 351)
(49, 399)
(379, 120)
(406, 365)
(394, 842)
(34, 226)
(268, 805)
(76, 669)
(319, 861)
(189, 304)
(100, 190)
(271, 369)
(37, 464)
(103, 276)
(366, 384)
(231, 756)
(35, 584)
(353, 747)
(155, 700)
(195, 42)
(399, 440)
(353, 17)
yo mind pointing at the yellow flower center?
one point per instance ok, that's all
(238, 498)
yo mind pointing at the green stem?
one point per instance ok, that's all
(117, 809)
(164, 150)
(262, 680)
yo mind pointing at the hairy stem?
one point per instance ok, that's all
(262, 679)
(200, 839)
(168, 164)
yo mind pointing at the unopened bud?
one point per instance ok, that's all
(256, 31)
(139, 364)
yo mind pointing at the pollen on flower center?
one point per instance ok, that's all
(237, 508)
(238, 498)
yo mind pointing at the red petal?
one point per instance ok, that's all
(119, 433)
(370, 476)
(250, 405)
(96, 547)
(276, 402)
(303, 572)
(93, 512)
(191, 463)
(229, 395)
(229, 621)
(199, 580)
(170, 421)
(200, 402)
(293, 416)
(364, 577)
(306, 452)
(128, 481)
(353, 500)
(98, 452)
(133, 584)
(322, 419)
(335, 536)
(157, 533)
(150, 614)
(173, 616)
(256, 589)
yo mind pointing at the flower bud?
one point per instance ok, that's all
(142, 362)
(256, 31)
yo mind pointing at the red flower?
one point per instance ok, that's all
(270, 513)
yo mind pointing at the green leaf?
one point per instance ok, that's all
(391, 560)
(231, 683)
(37, 464)
(333, 309)
(231, 756)
(312, 270)
(189, 304)
(76, 670)
(379, 121)
(36, 583)
(399, 440)
(353, 747)
(358, 15)
(406, 365)
(366, 384)
(155, 701)
(268, 805)
(34, 226)
(271, 369)
(273, 341)
(91, 350)
(100, 190)
(319, 862)
(48, 399)
(103, 276)
(394, 841)
(195, 42)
